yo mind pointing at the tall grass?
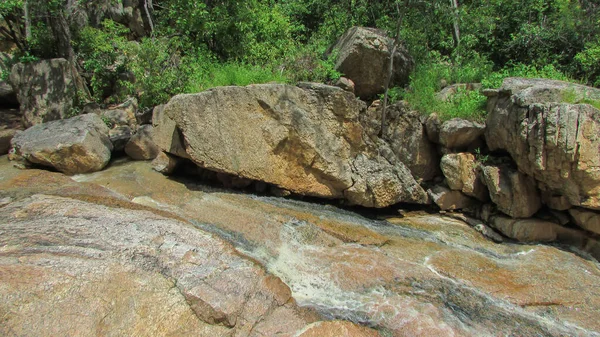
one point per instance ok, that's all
(427, 78)
(223, 74)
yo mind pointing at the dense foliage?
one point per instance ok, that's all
(191, 45)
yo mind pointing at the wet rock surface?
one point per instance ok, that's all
(419, 275)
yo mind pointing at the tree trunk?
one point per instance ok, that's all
(391, 65)
(456, 33)
(147, 6)
(27, 17)
(62, 34)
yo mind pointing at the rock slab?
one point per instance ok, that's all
(132, 272)
(307, 139)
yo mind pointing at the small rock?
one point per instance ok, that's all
(447, 92)
(165, 163)
(345, 84)
(231, 181)
(141, 146)
(144, 116)
(119, 137)
(279, 192)
(117, 117)
(447, 199)
(587, 220)
(556, 202)
(459, 133)
(432, 126)
(513, 192)
(462, 174)
(6, 136)
(363, 55)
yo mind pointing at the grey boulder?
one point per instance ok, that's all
(77, 145)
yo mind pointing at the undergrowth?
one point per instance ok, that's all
(429, 77)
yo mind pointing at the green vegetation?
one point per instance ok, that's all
(189, 46)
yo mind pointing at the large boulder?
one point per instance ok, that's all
(47, 90)
(363, 56)
(513, 192)
(308, 140)
(461, 171)
(76, 145)
(130, 13)
(408, 140)
(552, 135)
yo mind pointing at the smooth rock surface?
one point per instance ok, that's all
(513, 192)
(166, 135)
(461, 171)
(132, 270)
(47, 90)
(460, 133)
(75, 145)
(363, 56)
(551, 135)
(306, 139)
(337, 329)
(421, 275)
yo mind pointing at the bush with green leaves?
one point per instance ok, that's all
(467, 104)
(427, 79)
(102, 55)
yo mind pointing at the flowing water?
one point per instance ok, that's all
(416, 275)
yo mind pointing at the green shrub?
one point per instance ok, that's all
(308, 63)
(102, 52)
(494, 80)
(213, 74)
(426, 82)
(589, 62)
